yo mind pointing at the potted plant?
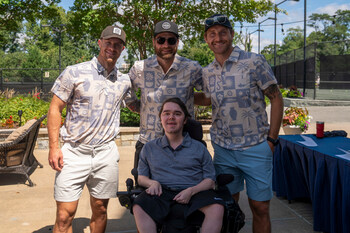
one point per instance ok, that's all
(295, 120)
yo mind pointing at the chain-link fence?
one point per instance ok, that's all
(327, 74)
(24, 81)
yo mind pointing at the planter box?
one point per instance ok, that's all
(291, 129)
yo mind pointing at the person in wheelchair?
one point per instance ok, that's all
(176, 169)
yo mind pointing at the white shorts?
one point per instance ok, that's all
(95, 166)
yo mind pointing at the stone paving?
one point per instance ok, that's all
(32, 209)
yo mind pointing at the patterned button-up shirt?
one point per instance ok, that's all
(156, 86)
(93, 102)
(238, 107)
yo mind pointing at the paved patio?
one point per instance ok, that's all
(27, 209)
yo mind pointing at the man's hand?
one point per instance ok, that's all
(184, 196)
(272, 147)
(56, 159)
(154, 189)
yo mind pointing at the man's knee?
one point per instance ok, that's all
(99, 206)
(64, 220)
(260, 208)
(213, 211)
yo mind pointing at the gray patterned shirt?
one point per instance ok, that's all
(93, 102)
(238, 103)
(157, 86)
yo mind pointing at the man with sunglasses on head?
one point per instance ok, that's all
(162, 76)
(236, 84)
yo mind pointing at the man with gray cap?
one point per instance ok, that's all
(236, 84)
(162, 76)
(92, 92)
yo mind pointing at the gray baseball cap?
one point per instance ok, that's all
(166, 26)
(113, 32)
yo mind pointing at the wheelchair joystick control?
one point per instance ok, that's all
(129, 184)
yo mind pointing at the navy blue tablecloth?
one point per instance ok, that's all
(318, 173)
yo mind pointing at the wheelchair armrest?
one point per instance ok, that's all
(224, 179)
(126, 198)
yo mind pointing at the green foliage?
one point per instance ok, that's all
(129, 118)
(139, 17)
(199, 51)
(292, 92)
(326, 29)
(34, 107)
(298, 117)
(31, 106)
(14, 12)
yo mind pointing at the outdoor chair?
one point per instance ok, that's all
(16, 152)
(234, 218)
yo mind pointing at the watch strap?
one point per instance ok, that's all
(273, 141)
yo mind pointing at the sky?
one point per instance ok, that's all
(295, 13)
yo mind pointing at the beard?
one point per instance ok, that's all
(166, 54)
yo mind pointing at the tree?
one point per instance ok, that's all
(199, 51)
(138, 17)
(14, 12)
(293, 40)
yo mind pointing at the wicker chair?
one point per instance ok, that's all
(16, 152)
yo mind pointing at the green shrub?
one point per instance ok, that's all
(32, 107)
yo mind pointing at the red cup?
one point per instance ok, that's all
(319, 129)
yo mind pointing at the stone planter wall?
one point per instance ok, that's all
(128, 136)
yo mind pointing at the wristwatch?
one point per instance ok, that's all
(273, 141)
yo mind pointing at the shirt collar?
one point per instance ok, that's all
(185, 143)
(177, 63)
(233, 56)
(102, 71)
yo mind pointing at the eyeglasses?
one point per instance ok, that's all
(171, 40)
(221, 19)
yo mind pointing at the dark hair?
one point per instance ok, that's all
(177, 101)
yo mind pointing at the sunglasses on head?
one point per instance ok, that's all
(221, 19)
(171, 40)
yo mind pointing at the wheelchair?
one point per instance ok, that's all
(175, 222)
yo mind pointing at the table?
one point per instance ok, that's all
(321, 173)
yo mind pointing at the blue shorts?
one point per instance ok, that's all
(254, 165)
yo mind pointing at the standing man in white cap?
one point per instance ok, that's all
(92, 92)
(162, 76)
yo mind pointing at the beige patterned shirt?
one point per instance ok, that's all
(93, 102)
(156, 86)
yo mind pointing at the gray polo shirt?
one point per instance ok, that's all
(184, 167)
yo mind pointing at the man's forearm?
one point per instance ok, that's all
(53, 128)
(54, 121)
(275, 96)
(205, 184)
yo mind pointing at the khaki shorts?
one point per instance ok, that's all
(95, 166)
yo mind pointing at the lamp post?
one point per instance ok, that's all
(305, 48)
(274, 52)
(59, 30)
(260, 30)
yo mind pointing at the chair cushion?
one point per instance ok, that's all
(14, 157)
(19, 131)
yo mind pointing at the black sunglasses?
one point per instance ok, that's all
(221, 19)
(171, 40)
